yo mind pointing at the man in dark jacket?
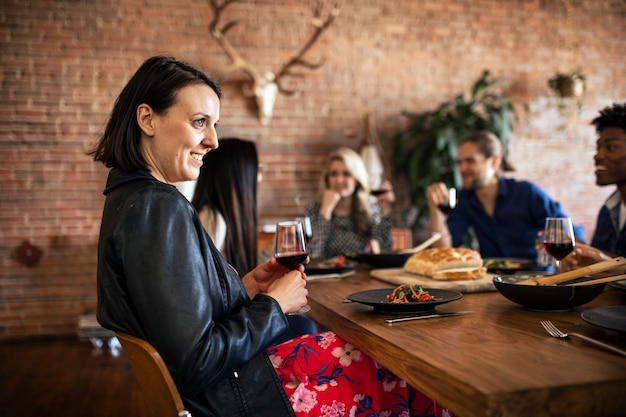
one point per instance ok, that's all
(609, 238)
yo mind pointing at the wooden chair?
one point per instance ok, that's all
(402, 238)
(155, 382)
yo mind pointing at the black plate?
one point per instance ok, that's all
(524, 265)
(378, 300)
(381, 260)
(611, 317)
(321, 269)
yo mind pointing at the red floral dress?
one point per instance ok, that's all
(324, 376)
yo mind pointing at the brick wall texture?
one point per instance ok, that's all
(63, 63)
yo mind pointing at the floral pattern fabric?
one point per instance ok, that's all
(324, 376)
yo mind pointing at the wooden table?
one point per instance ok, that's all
(496, 361)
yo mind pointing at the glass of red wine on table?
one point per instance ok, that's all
(559, 239)
(290, 250)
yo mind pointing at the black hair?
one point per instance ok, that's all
(228, 184)
(612, 116)
(156, 83)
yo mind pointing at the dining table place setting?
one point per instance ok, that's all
(557, 333)
(391, 258)
(562, 291)
(381, 300)
(332, 268)
(479, 353)
(456, 269)
(314, 276)
(399, 276)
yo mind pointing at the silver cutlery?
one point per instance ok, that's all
(555, 332)
(426, 316)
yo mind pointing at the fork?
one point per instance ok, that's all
(555, 332)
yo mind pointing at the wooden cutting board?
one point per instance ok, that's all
(397, 276)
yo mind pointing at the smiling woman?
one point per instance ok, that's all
(161, 278)
(192, 119)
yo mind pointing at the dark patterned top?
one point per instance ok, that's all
(337, 236)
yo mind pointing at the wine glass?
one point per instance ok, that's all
(449, 205)
(290, 248)
(558, 238)
(306, 227)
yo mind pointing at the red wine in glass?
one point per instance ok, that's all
(445, 208)
(559, 250)
(290, 248)
(558, 238)
(449, 205)
(291, 260)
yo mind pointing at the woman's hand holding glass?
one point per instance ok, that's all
(286, 287)
(261, 278)
(291, 250)
(290, 292)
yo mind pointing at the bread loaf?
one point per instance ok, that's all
(447, 264)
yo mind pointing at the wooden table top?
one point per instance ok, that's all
(496, 361)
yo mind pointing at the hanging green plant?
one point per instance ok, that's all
(425, 150)
(568, 85)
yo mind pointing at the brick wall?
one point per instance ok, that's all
(64, 62)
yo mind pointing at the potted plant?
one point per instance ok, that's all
(568, 85)
(425, 150)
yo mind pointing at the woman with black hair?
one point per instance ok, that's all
(161, 278)
(226, 200)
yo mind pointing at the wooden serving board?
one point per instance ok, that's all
(397, 276)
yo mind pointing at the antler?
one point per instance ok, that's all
(266, 86)
(219, 34)
(320, 26)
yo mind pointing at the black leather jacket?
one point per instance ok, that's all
(160, 278)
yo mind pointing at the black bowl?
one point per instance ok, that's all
(382, 260)
(550, 297)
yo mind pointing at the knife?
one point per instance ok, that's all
(427, 316)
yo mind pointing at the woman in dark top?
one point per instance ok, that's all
(161, 278)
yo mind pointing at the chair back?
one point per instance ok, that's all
(155, 382)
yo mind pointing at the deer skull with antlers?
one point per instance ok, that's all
(265, 87)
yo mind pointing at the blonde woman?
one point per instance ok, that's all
(346, 218)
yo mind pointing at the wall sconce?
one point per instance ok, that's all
(27, 254)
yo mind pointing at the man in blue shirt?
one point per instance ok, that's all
(609, 238)
(506, 215)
